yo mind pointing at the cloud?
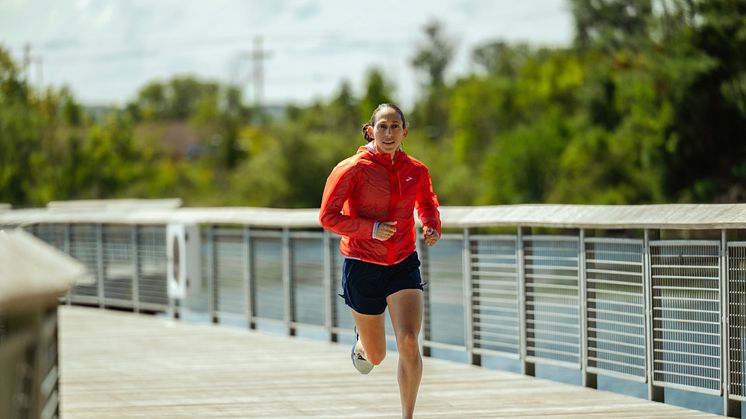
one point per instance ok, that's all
(307, 10)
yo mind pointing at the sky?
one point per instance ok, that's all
(106, 50)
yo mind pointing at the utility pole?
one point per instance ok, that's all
(26, 61)
(257, 56)
(37, 61)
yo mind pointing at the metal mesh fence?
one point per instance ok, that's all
(270, 299)
(552, 315)
(84, 247)
(308, 280)
(616, 309)
(53, 234)
(686, 310)
(196, 305)
(118, 268)
(342, 316)
(151, 248)
(446, 291)
(737, 317)
(229, 273)
(495, 294)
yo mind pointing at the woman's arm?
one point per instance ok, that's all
(427, 209)
(339, 187)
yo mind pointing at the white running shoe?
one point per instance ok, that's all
(358, 361)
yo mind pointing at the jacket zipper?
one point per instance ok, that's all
(393, 197)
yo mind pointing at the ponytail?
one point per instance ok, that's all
(366, 134)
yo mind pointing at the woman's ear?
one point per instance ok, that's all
(406, 131)
(369, 130)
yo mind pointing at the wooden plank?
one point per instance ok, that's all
(121, 365)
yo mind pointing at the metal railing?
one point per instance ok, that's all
(648, 305)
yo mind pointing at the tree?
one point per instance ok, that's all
(610, 24)
(434, 55)
(377, 90)
(20, 132)
(499, 58)
(432, 59)
(705, 162)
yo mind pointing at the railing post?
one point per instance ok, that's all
(655, 393)
(212, 275)
(135, 248)
(589, 379)
(248, 277)
(329, 300)
(474, 358)
(527, 368)
(731, 408)
(426, 335)
(287, 282)
(67, 248)
(100, 264)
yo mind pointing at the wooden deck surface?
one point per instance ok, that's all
(122, 365)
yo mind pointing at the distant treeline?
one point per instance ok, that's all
(648, 105)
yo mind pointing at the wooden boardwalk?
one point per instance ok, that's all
(122, 365)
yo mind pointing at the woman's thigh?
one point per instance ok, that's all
(405, 309)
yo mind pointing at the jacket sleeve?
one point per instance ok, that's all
(339, 187)
(427, 205)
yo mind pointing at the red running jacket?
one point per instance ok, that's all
(368, 188)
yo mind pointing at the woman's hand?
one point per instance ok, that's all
(431, 236)
(385, 230)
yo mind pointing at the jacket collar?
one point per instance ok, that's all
(373, 154)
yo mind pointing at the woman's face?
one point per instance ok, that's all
(388, 131)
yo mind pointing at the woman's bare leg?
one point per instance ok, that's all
(405, 308)
(372, 331)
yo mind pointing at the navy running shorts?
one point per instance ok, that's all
(366, 285)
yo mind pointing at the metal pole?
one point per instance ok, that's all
(527, 368)
(100, 264)
(329, 306)
(589, 379)
(474, 359)
(67, 248)
(655, 393)
(134, 241)
(287, 282)
(731, 408)
(426, 334)
(212, 274)
(248, 277)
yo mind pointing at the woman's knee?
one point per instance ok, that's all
(408, 344)
(375, 356)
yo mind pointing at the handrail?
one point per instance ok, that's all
(664, 216)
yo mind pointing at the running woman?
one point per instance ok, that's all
(369, 200)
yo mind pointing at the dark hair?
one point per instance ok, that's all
(372, 122)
